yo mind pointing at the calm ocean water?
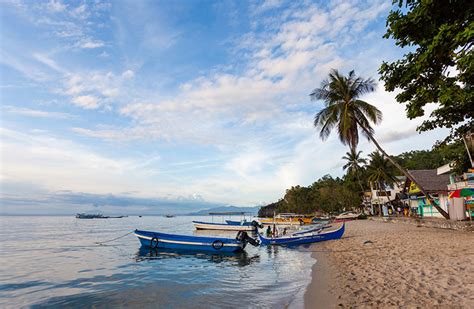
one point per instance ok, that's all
(54, 262)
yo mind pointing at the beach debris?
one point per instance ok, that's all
(368, 242)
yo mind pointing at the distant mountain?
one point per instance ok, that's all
(248, 210)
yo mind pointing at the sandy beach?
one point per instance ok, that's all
(378, 264)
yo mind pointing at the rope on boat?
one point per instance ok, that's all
(110, 240)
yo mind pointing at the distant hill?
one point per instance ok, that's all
(248, 210)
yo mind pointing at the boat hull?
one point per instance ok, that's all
(302, 239)
(182, 242)
(286, 221)
(199, 225)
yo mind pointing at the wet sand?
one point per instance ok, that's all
(378, 264)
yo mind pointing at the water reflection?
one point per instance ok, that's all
(272, 251)
(238, 258)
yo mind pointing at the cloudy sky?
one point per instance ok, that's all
(135, 106)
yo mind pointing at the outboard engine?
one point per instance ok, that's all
(257, 224)
(242, 236)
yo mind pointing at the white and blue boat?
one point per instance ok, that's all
(156, 240)
(305, 238)
(227, 225)
(233, 226)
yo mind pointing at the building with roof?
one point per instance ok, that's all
(435, 185)
(386, 195)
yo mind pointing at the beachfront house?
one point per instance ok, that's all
(434, 184)
(386, 194)
(458, 206)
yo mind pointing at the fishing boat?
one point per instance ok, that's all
(240, 226)
(305, 238)
(156, 240)
(313, 229)
(227, 225)
(96, 216)
(287, 219)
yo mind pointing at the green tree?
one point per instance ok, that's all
(420, 159)
(380, 172)
(438, 67)
(355, 164)
(346, 112)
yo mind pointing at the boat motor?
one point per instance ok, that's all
(257, 224)
(242, 236)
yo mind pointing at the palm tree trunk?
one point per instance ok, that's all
(360, 183)
(407, 174)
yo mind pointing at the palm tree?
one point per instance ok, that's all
(380, 173)
(354, 164)
(346, 112)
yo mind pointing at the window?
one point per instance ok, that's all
(383, 193)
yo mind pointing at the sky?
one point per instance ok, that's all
(170, 106)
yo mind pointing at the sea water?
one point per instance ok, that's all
(56, 262)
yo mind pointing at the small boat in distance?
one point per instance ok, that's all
(170, 216)
(306, 238)
(96, 216)
(156, 240)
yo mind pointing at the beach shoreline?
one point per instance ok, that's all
(379, 264)
(319, 290)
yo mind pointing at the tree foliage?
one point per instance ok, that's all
(326, 195)
(438, 66)
(344, 111)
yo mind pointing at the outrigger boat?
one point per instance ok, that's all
(288, 219)
(305, 238)
(156, 240)
(228, 225)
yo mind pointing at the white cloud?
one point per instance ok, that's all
(26, 157)
(56, 6)
(35, 113)
(86, 101)
(48, 62)
(90, 44)
(128, 74)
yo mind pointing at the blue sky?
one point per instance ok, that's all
(166, 104)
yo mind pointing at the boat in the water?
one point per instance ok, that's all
(156, 240)
(96, 216)
(170, 216)
(312, 229)
(227, 225)
(288, 219)
(233, 226)
(305, 238)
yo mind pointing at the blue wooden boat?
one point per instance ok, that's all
(195, 243)
(306, 238)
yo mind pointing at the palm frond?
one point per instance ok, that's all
(371, 112)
